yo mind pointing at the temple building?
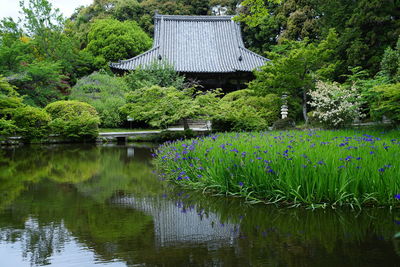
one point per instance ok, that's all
(208, 49)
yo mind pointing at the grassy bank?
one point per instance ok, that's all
(323, 168)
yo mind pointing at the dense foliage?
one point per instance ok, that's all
(112, 40)
(319, 169)
(105, 93)
(32, 123)
(73, 119)
(244, 110)
(161, 74)
(163, 106)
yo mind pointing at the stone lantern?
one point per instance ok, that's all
(284, 107)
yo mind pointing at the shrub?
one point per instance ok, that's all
(387, 102)
(161, 74)
(73, 119)
(243, 110)
(32, 123)
(160, 107)
(104, 92)
(7, 127)
(335, 105)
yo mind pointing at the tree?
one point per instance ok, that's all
(387, 102)
(111, 40)
(295, 67)
(390, 64)
(104, 92)
(160, 107)
(244, 110)
(41, 82)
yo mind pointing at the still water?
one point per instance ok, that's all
(67, 205)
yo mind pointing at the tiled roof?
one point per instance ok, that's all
(210, 44)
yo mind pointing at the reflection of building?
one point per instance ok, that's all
(209, 49)
(174, 223)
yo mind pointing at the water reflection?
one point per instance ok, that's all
(86, 205)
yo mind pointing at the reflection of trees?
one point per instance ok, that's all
(57, 205)
(121, 174)
(26, 165)
(60, 212)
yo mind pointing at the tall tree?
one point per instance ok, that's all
(111, 40)
(294, 68)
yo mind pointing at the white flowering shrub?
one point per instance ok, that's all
(335, 105)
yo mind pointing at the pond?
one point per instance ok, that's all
(88, 205)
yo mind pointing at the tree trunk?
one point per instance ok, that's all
(305, 106)
(185, 124)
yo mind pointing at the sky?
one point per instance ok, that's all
(10, 8)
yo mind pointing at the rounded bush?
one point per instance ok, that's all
(32, 123)
(73, 119)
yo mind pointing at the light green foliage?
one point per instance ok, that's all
(387, 101)
(161, 74)
(9, 98)
(32, 122)
(390, 64)
(7, 127)
(112, 40)
(294, 67)
(314, 168)
(160, 107)
(73, 119)
(104, 92)
(9, 101)
(243, 110)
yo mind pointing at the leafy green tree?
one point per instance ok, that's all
(45, 26)
(104, 92)
(390, 64)
(160, 107)
(387, 102)
(294, 68)
(243, 110)
(111, 40)
(41, 82)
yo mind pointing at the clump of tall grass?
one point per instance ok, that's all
(316, 168)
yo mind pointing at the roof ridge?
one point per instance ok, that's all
(192, 17)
